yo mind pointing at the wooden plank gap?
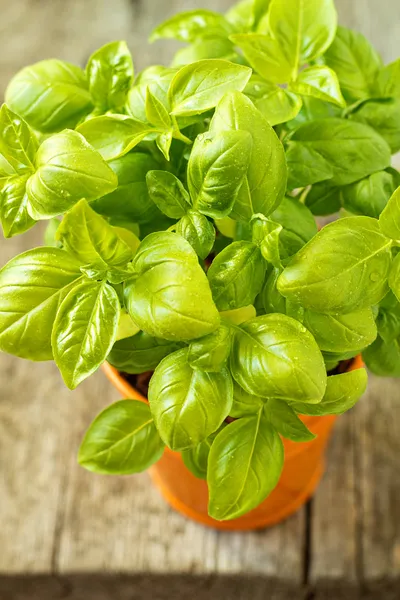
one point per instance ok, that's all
(358, 502)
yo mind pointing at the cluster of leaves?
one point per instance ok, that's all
(269, 116)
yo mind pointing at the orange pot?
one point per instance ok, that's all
(302, 471)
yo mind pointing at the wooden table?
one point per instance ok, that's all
(68, 534)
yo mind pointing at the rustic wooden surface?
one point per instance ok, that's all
(65, 533)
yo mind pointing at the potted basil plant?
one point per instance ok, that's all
(182, 249)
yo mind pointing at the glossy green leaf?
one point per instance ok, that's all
(196, 459)
(157, 79)
(388, 319)
(32, 286)
(168, 193)
(238, 315)
(87, 236)
(383, 358)
(383, 116)
(189, 25)
(285, 421)
(394, 277)
(370, 195)
(68, 169)
(244, 466)
(50, 95)
(325, 198)
(355, 62)
(156, 113)
(241, 15)
(319, 82)
(14, 215)
(244, 404)
(199, 87)
(217, 167)
(342, 393)
(209, 46)
(18, 144)
(265, 183)
(49, 237)
(272, 300)
(313, 109)
(266, 234)
(388, 81)
(170, 298)
(265, 56)
(389, 219)
(121, 440)
(84, 330)
(211, 352)
(277, 104)
(236, 275)
(298, 226)
(198, 231)
(140, 353)
(188, 404)
(274, 356)
(344, 268)
(110, 74)
(306, 166)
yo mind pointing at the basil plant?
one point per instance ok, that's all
(181, 236)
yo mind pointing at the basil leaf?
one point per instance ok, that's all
(269, 242)
(298, 225)
(342, 393)
(313, 109)
(355, 62)
(320, 82)
(32, 286)
(209, 46)
(217, 167)
(389, 220)
(370, 195)
(196, 459)
(189, 25)
(244, 404)
(272, 300)
(211, 352)
(265, 56)
(388, 81)
(87, 236)
(383, 116)
(114, 135)
(388, 319)
(199, 87)
(170, 298)
(342, 333)
(18, 144)
(187, 404)
(244, 466)
(285, 421)
(394, 277)
(198, 231)
(156, 113)
(130, 201)
(265, 183)
(303, 30)
(343, 281)
(325, 199)
(383, 358)
(14, 215)
(121, 440)
(236, 275)
(49, 237)
(140, 353)
(168, 193)
(68, 169)
(241, 15)
(110, 74)
(50, 95)
(84, 330)
(239, 315)
(275, 103)
(336, 141)
(157, 79)
(274, 356)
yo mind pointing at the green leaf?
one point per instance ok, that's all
(313, 109)
(50, 95)
(265, 56)
(370, 195)
(199, 87)
(126, 327)
(110, 74)
(32, 287)
(275, 103)
(87, 236)
(130, 201)
(140, 353)
(336, 141)
(265, 183)
(342, 393)
(304, 30)
(383, 115)
(236, 275)
(389, 220)
(383, 358)
(394, 277)
(170, 298)
(198, 231)
(273, 301)
(342, 333)
(217, 167)
(189, 25)
(14, 215)
(114, 135)
(68, 169)
(244, 404)
(196, 459)
(168, 193)
(266, 235)
(121, 440)
(344, 268)
(325, 198)
(285, 421)
(355, 62)
(188, 404)
(244, 466)
(84, 330)
(209, 46)
(306, 166)
(239, 315)
(260, 10)
(49, 237)
(241, 15)
(319, 82)
(18, 144)
(211, 352)
(274, 356)
(156, 113)
(157, 79)
(388, 81)
(298, 225)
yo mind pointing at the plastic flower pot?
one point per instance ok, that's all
(303, 468)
